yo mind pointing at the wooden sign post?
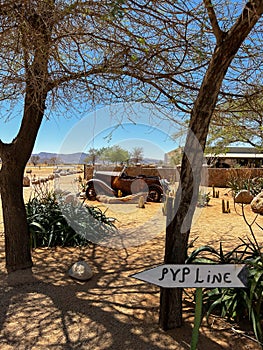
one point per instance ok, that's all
(195, 276)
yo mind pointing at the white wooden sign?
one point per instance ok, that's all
(194, 276)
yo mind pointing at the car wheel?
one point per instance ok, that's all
(90, 193)
(154, 194)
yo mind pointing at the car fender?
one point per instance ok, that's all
(101, 188)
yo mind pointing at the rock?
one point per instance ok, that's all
(244, 197)
(131, 199)
(80, 271)
(257, 204)
(26, 181)
(141, 202)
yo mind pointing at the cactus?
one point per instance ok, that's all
(215, 193)
(225, 207)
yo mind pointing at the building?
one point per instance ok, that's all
(247, 157)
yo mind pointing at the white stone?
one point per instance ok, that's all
(257, 204)
(80, 271)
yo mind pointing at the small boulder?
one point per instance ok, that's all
(257, 204)
(80, 271)
(26, 181)
(244, 197)
(141, 202)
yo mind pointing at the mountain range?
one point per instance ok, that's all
(76, 158)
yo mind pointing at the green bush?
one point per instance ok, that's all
(49, 217)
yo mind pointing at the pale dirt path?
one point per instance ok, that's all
(46, 309)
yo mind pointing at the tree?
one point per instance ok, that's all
(137, 154)
(52, 53)
(198, 55)
(53, 161)
(93, 154)
(116, 154)
(239, 120)
(34, 160)
(226, 47)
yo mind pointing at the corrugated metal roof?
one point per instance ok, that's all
(236, 155)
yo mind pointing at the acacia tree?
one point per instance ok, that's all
(94, 154)
(51, 53)
(206, 53)
(137, 154)
(116, 154)
(239, 120)
(34, 159)
(227, 44)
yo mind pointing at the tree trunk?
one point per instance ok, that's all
(14, 159)
(179, 218)
(170, 299)
(16, 154)
(17, 239)
(178, 228)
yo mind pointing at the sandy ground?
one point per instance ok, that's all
(46, 309)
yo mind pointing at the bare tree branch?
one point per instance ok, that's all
(219, 34)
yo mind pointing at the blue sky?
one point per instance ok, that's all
(127, 125)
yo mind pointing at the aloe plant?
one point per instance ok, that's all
(236, 303)
(49, 221)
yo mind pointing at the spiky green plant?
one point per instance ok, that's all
(236, 303)
(49, 218)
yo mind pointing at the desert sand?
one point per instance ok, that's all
(46, 309)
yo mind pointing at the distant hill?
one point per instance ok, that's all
(73, 158)
(151, 161)
(76, 158)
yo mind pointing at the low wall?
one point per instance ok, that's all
(218, 177)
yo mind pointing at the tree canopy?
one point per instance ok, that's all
(122, 50)
(137, 154)
(116, 154)
(238, 121)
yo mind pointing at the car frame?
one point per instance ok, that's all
(120, 184)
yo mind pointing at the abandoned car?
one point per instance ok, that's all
(119, 184)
